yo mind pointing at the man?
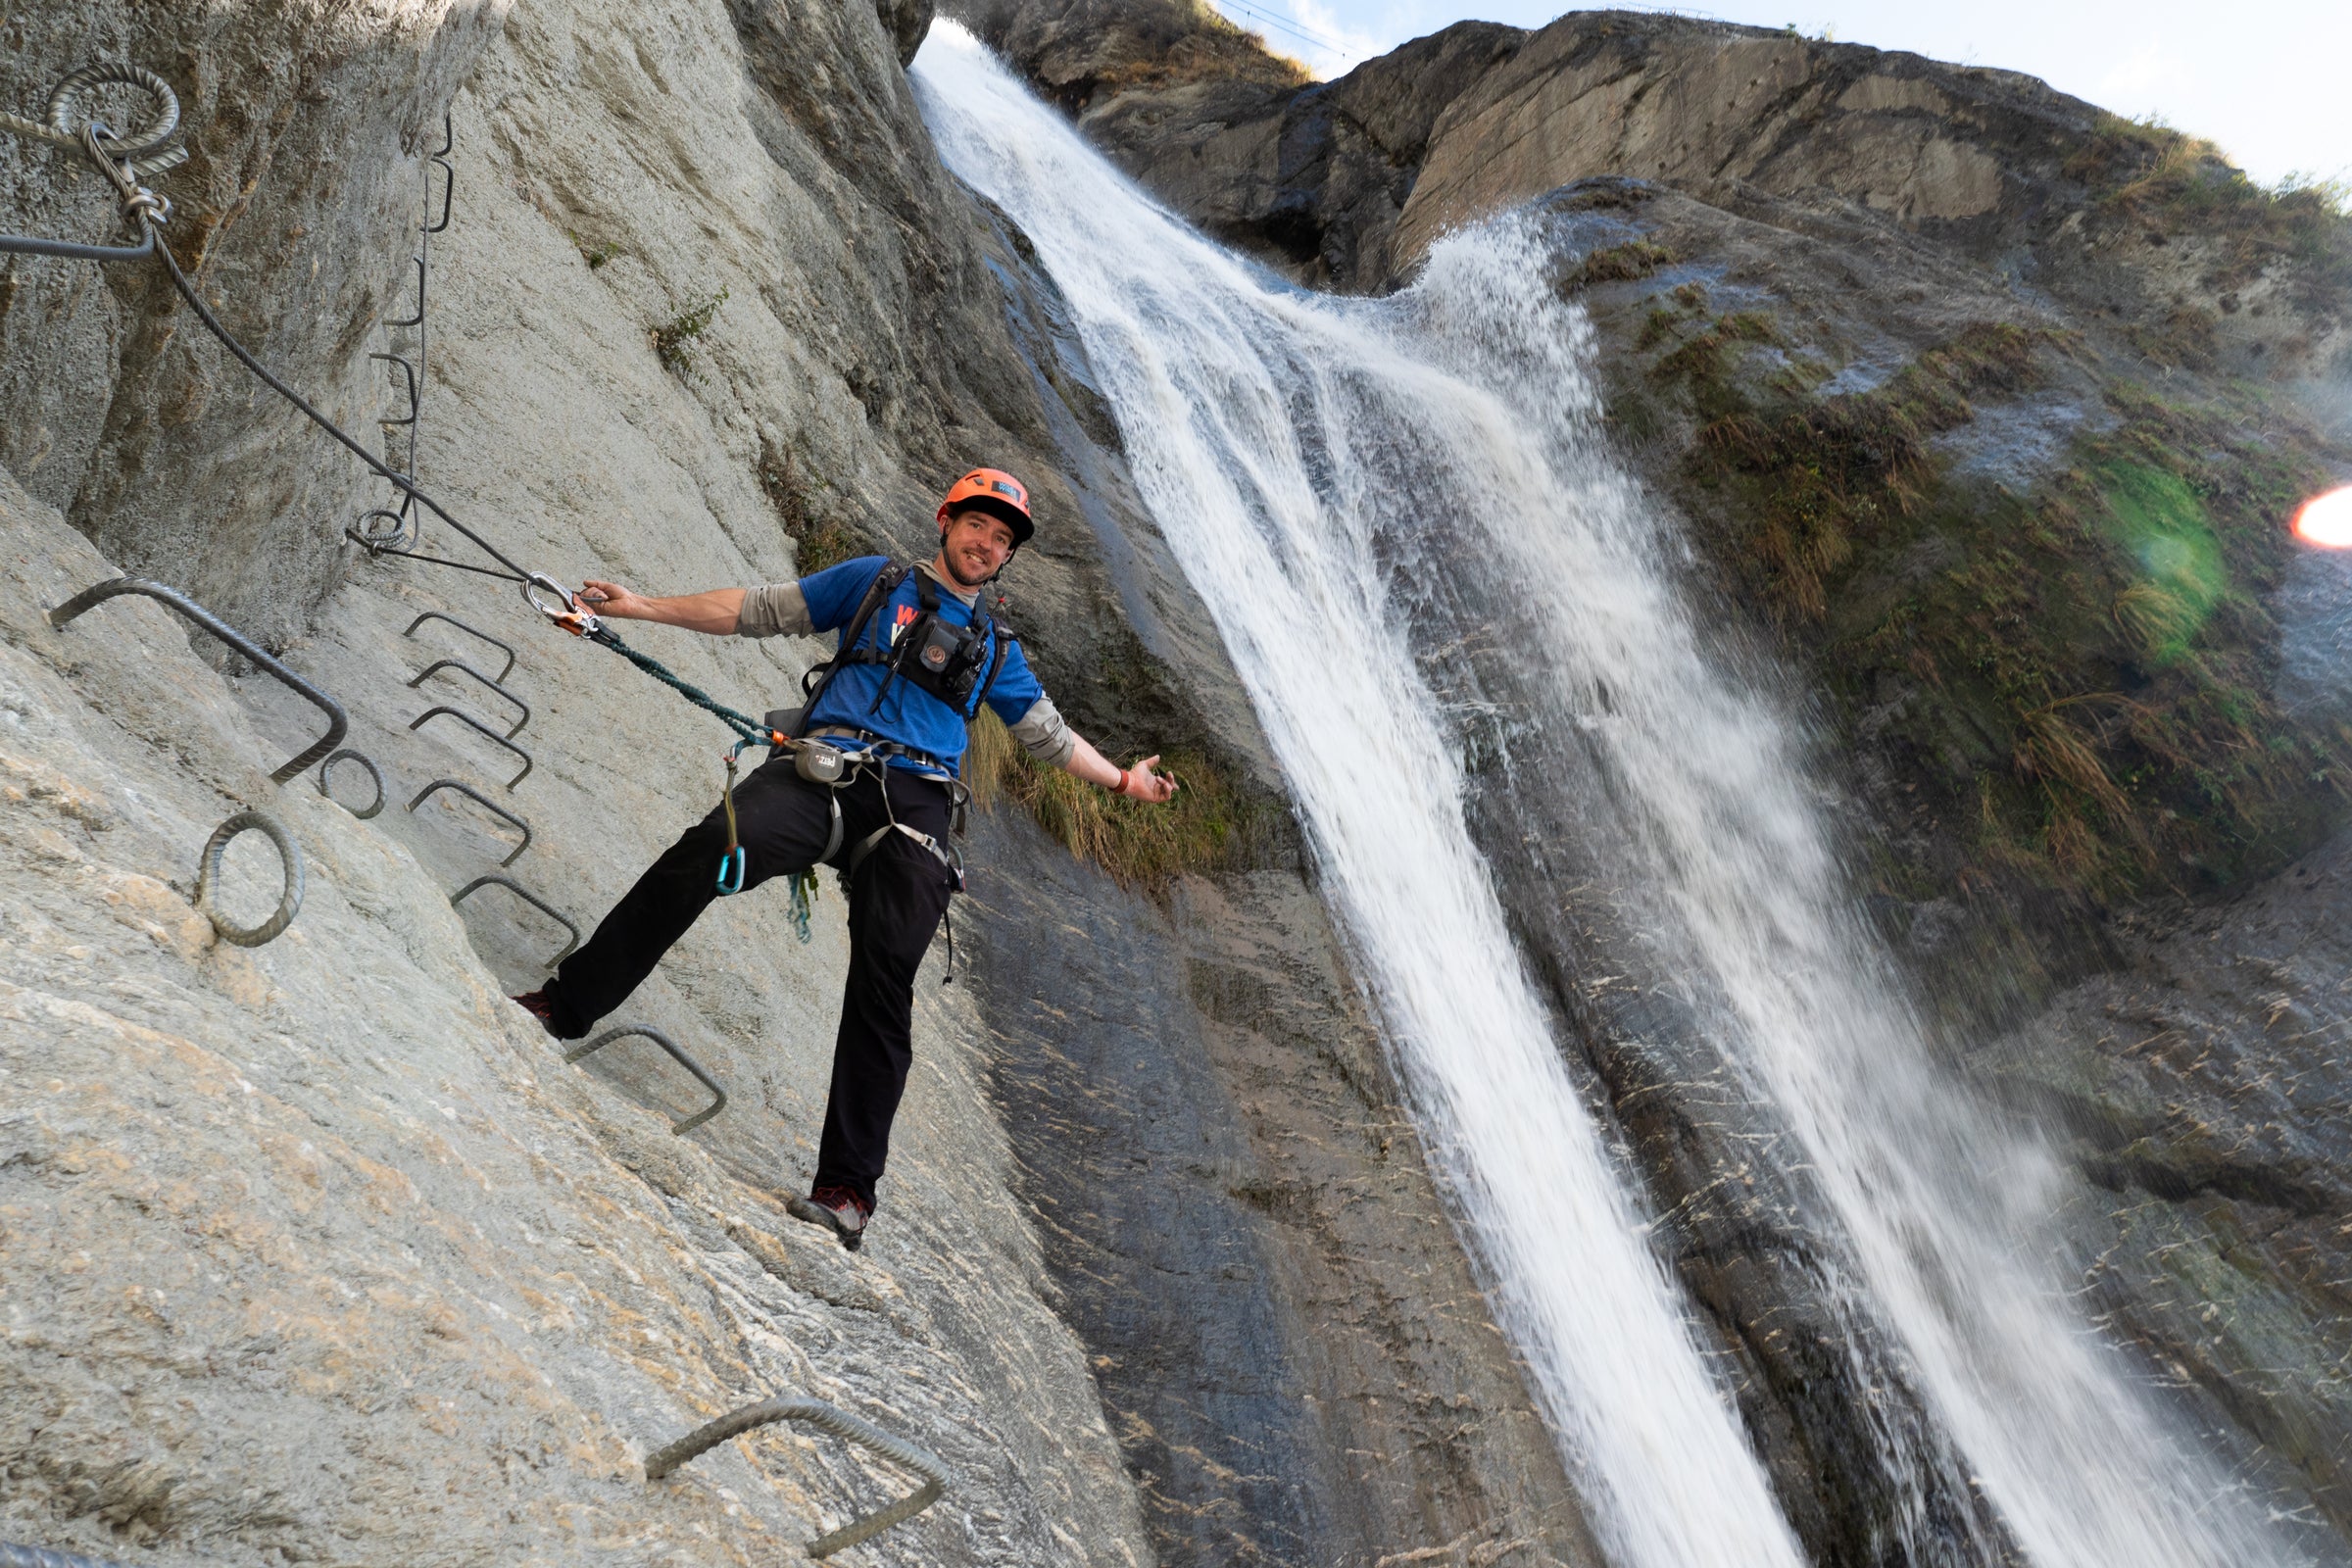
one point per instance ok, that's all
(918, 658)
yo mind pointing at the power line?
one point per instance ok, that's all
(1285, 24)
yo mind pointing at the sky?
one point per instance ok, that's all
(2265, 79)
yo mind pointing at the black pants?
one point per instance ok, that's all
(895, 900)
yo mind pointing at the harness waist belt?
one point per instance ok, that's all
(879, 746)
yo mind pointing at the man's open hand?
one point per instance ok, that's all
(1140, 783)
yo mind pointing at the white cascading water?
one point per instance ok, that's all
(1300, 451)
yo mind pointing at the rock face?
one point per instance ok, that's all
(1937, 364)
(322, 1250)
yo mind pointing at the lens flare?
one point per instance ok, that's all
(2328, 519)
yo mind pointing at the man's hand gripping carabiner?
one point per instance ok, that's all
(575, 618)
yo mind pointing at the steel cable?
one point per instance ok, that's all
(120, 161)
(398, 480)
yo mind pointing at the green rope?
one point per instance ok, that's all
(754, 733)
(804, 889)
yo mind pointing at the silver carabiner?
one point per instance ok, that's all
(572, 617)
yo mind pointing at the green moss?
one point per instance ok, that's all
(1634, 259)
(2078, 680)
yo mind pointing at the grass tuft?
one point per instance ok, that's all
(595, 256)
(674, 339)
(1139, 845)
(1634, 259)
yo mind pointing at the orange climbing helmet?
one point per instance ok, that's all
(997, 493)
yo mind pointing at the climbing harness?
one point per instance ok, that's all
(841, 1424)
(718, 1096)
(208, 878)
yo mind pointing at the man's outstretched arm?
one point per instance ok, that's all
(717, 613)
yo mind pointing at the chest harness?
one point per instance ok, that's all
(957, 665)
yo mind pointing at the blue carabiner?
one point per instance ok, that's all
(731, 871)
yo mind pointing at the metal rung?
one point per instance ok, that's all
(419, 319)
(841, 1424)
(406, 369)
(718, 1103)
(466, 718)
(338, 723)
(471, 631)
(493, 880)
(483, 801)
(464, 667)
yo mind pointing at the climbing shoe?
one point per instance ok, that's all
(544, 1006)
(837, 1209)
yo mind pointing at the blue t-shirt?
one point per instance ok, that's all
(908, 714)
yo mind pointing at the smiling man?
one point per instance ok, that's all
(869, 787)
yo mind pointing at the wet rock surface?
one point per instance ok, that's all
(1976, 325)
(461, 1287)
(2202, 1086)
(1234, 1209)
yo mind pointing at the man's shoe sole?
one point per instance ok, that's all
(818, 1214)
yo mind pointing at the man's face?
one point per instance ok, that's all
(975, 545)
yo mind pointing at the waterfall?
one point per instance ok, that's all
(1362, 492)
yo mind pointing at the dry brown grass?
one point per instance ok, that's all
(1137, 844)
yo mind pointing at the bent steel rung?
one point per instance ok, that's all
(463, 668)
(485, 801)
(410, 371)
(493, 880)
(841, 1424)
(338, 725)
(466, 718)
(718, 1102)
(471, 631)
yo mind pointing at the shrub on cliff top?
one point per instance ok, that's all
(2150, 174)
